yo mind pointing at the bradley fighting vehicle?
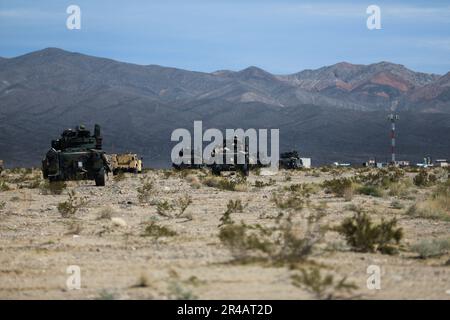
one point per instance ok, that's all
(77, 155)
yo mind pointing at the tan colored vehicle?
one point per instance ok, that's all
(1, 166)
(126, 162)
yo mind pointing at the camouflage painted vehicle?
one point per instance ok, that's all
(77, 155)
(290, 160)
(125, 162)
(1, 166)
(239, 148)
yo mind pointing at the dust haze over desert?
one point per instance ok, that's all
(354, 205)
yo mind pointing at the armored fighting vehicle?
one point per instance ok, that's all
(126, 162)
(77, 155)
(290, 160)
(1, 166)
(239, 149)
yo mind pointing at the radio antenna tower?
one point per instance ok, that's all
(393, 117)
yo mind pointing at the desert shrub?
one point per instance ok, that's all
(2, 205)
(436, 207)
(236, 183)
(322, 286)
(106, 295)
(396, 204)
(369, 190)
(120, 176)
(74, 228)
(245, 241)
(282, 243)
(400, 189)
(431, 248)
(167, 173)
(232, 207)
(164, 208)
(381, 177)
(364, 236)
(105, 213)
(156, 231)
(177, 291)
(54, 188)
(337, 186)
(262, 184)
(289, 201)
(303, 189)
(145, 191)
(194, 181)
(142, 282)
(182, 204)
(72, 205)
(424, 179)
(4, 186)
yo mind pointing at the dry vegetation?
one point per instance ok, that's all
(188, 234)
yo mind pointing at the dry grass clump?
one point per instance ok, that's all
(235, 183)
(194, 181)
(431, 248)
(105, 213)
(156, 231)
(436, 207)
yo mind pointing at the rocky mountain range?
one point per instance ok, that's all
(335, 113)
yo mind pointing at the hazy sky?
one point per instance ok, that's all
(281, 36)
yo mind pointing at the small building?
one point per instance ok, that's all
(441, 163)
(306, 162)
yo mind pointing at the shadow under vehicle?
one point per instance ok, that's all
(77, 155)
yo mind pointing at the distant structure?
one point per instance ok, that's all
(393, 117)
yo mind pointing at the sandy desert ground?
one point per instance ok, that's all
(132, 239)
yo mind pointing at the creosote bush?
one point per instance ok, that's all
(322, 286)
(156, 231)
(72, 205)
(424, 179)
(232, 207)
(282, 243)
(338, 187)
(365, 236)
(145, 191)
